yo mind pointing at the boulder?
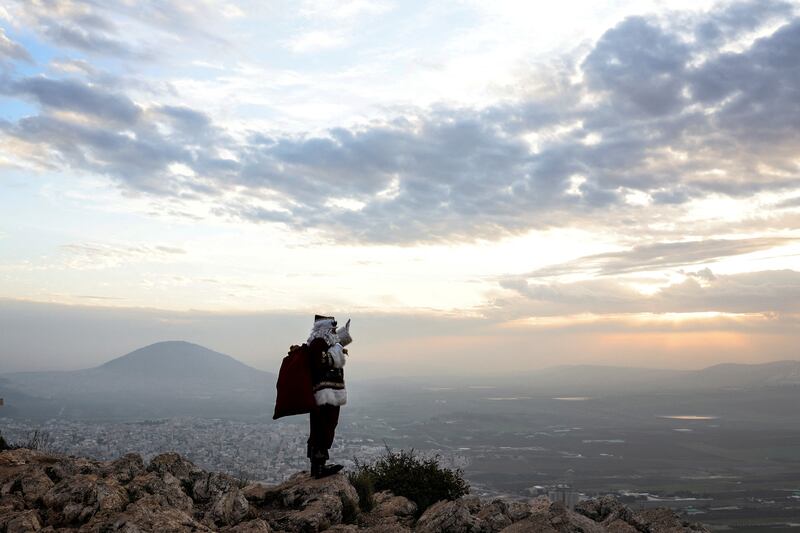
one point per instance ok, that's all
(125, 468)
(144, 516)
(229, 508)
(183, 469)
(457, 516)
(209, 486)
(306, 504)
(20, 521)
(553, 517)
(165, 488)
(389, 512)
(75, 500)
(663, 520)
(605, 509)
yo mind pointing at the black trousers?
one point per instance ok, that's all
(323, 428)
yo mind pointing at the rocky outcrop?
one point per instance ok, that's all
(51, 493)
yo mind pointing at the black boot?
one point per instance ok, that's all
(319, 469)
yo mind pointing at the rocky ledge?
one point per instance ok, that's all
(47, 492)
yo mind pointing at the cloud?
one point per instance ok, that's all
(109, 28)
(645, 123)
(12, 50)
(72, 95)
(88, 255)
(775, 291)
(658, 256)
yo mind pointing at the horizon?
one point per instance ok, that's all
(572, 183)
(377, 377)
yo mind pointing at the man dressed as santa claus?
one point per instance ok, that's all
(327, 357)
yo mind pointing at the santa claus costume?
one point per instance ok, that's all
(327, 357)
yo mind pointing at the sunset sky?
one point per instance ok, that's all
(492, 185)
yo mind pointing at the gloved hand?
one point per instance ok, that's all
(344, 334)
(337, 355)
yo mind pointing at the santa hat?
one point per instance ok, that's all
(321, 320)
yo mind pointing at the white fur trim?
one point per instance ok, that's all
(331, 397)
(337, 354)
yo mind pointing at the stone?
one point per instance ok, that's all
(306, 504)
(620, 526)
(605, 509)
(501, 513)
(147, 515)
(252, 526)
(75, 500)
(229, 508)
(165, 488)
(452, 516)
(183, 469)
(389, 510)
(209, 486)
(125, 468)
(663, 520)
(20, 522)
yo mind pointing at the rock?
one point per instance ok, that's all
(553, 517)
(455, 516)
(605, 509)
(306, 504)
(165, 488)
(253, 526)
(183, 469)
(229, 508)
(256, 493)
(620, 526)
(144, 516)
(209, 486)
(20, 522)
(665, 521)
(494, 516)
(343, 528)
(30, 483)
(389, 511)
(125, 468)
(75, 500)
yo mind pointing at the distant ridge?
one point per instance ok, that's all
(785, 372)
(587, 379)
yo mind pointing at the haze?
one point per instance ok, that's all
(482, 187)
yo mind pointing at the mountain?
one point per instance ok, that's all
(170, 378)
(178, 360)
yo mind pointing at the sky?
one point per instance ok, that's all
(482, 186)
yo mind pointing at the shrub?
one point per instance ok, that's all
(422, 480)
(361, 479)
(3, 444)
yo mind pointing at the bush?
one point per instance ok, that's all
(361, 479)
(3, 444)
(422, 480)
